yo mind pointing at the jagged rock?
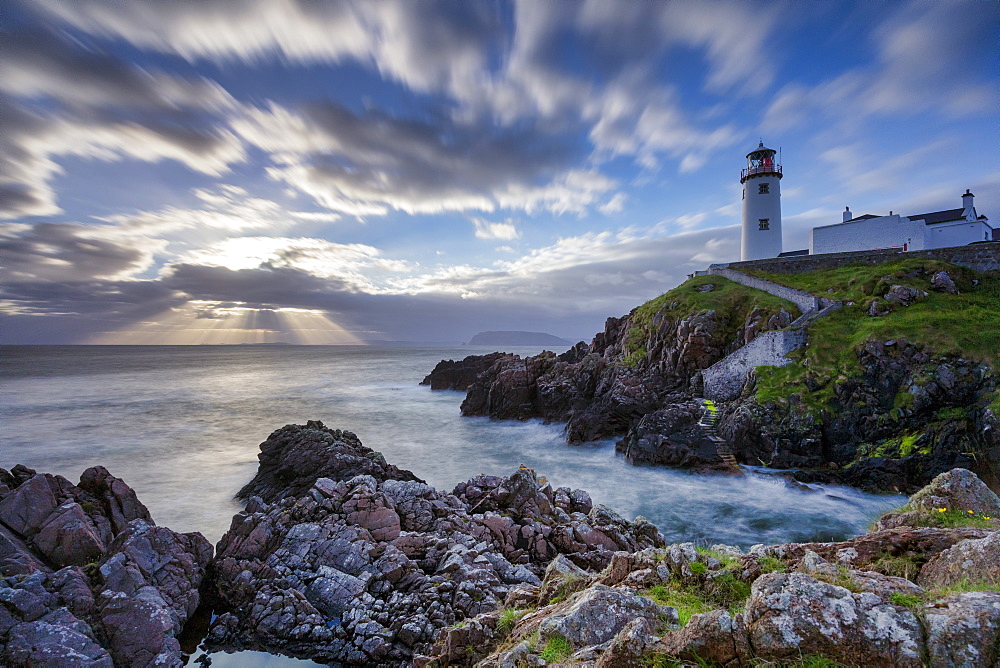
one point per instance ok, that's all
(597, 614)
(119, 501)
(143, 583)
(942, 282)
(562, 578)
(67, 537)
(976, 561)
(904, 295)
(792, 614)
(878, 308)
(55, 640)
(672, 437)
(629, 646)
(366, 569)
(295, 456)
(452, 375)
(964, 630)
(715, 637)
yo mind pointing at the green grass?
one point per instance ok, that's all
(953, 518)
(906, 600)
(731, 302)
(901, 566)
(728, 560)
(963, 587)
(509, 617)
(770, 564)
(556, 648)
(965, 325)
(686, 600)
(698, 568)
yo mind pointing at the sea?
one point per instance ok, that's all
(182, 425)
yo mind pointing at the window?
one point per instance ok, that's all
(744, 193)
(764, 188)
(764, 224)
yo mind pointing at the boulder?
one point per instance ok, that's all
(963, 630)
(294, 457)
(714, 637)
(958, 489)
(974, 560)
(597, 614)
(904, 295)
(943, 282)
(792, 614)
(562, 578)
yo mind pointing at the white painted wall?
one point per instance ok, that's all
(882, 232)
(959, 233)
(757, 243)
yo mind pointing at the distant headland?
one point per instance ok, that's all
(517, 339)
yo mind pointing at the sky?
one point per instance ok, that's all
(298, 171)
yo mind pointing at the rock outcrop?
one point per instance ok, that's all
(458, 375)
(890, 420)
(365, 566)
(773, 605)
(87, 578)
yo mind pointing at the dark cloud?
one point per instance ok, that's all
(67, 252)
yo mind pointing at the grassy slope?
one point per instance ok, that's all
(731, 301)
(966, 325)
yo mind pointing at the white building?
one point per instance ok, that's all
(923, 231)
(761, 205)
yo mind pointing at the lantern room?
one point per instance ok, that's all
(761, 162)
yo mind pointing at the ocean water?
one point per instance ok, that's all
(182, 425)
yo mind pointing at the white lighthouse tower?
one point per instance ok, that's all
(761, 205)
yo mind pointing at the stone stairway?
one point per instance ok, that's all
(724, 379)
(708, 423)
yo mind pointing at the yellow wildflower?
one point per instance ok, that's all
(970, 512)
(942, 510)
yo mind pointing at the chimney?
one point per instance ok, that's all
(968, 210)
(847, 214)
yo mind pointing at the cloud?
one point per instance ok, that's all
(62, 99)
(487, 229)
(50, 252)
(922, 57)
(491, 66)
(614, 205)
(366, 164)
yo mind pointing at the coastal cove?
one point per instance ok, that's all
(181, 426)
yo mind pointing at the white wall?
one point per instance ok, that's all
(757, 243)
(882, 232)
(959, 233)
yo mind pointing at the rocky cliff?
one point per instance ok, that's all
(87, 578)
(890, 390)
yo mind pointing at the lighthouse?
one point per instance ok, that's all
(761, 205)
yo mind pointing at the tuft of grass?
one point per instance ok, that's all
(901, 566)
(769, 564)
(906, 600)
(842, 578)
(805, 661)
(509, 617)
(964, 586)
(698, 568)
(728, 560)
(557, 648)
(686, 600)
(952, 518)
